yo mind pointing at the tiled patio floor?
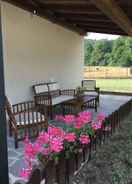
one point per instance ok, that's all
(108, 104)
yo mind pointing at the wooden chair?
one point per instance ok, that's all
(24, 120)
(90, 88)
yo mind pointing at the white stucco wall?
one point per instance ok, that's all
(37, 50)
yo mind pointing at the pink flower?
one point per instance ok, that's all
(69, 118)
(100, 116)
(36, 148)
(46, 151)
(70, 137)
(84, 139)
(25, 172)
(86, 116)
(59, 118)
(26, 141)
(78, 125)
(81, 119)
(55, 131)
(29, 151)
(43, 138)
(56, 145)
(96, 125)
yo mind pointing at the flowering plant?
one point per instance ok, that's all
(56, 141)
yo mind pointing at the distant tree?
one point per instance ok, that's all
(101, 51)
(88, 46)
(122, 52)
(109, 52)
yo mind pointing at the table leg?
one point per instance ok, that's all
(95, 104)
(63, 109)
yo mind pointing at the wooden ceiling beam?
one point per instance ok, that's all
(117, 15)
(106, 31)
(103, 25)
(85, 19)
(81, 16)
(105, 28)
(89, 20)
(74, 9)
(63, 2)
(80, 11)
(69, 5)
(124, 2)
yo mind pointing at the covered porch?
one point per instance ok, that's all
(108, 104)
(42, 41)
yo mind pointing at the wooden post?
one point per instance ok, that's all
(3, 135)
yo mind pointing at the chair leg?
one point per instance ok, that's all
(98, 100)
(10, 129)
(51, 112)
(96, 104)
(16, 141)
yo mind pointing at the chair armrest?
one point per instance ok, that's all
(70, 92)
(13, 123)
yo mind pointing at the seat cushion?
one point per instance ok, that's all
(91, 93)
(61, 99)
(42, 88)
(89, 84)
(53, 86)
(29, 118)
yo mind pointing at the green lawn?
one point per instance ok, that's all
(124, 85)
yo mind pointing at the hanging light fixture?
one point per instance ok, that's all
(34, 12)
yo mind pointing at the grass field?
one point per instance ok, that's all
(123, 85)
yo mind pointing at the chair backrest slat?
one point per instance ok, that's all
(89, 84)
(50, 88)
(40, 88)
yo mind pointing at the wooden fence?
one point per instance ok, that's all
(107, 72)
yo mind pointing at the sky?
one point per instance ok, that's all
(98, 36)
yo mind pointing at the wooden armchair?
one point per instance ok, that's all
(90, 88)
(24, 120)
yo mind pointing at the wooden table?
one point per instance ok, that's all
(80, 103)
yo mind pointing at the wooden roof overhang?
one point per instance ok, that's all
(82, 16)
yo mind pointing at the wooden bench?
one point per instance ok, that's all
(50, 95)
